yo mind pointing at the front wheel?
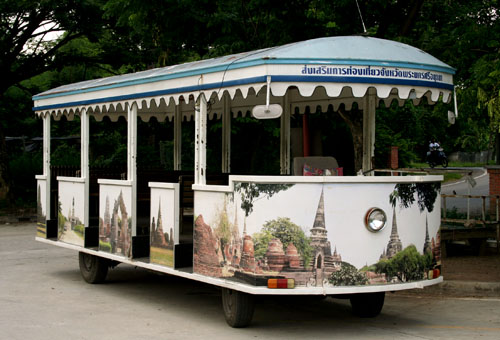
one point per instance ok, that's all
(444, 162)
(367, 305)
(93, 268)
(238, 307)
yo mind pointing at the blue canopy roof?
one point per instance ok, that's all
(351, 50)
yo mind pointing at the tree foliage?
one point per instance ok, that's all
(405, 193)
(287, 232)
(103, 37)
(407, 265)
(348, 275)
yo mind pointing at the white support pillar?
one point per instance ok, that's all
(84, 144)
(285, 136)
(369, 108)
(178, 138)
(46, 163)
(84, 160)
(132, 159)
(226, 134)
(200, 140)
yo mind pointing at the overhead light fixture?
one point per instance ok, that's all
(268, 111)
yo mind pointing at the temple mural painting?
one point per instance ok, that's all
(70, 219)
(41, 229)
(315, 233)
(115, 220)
(163, 227)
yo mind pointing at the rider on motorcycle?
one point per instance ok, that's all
(436, 155)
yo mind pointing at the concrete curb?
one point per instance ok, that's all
(452, 288)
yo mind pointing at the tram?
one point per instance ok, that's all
(317, 226)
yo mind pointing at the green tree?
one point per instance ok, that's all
(407, 265)
(348, 275)
(287, 232)
(223, 229)
(27, 49)
(405, 193)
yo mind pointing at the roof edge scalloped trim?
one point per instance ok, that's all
(244, 64)
(260, 79)
(179, 90)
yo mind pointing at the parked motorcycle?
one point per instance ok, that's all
(437, 157)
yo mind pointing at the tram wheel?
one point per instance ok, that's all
(367, 305)
(238, 307)
(93, 268)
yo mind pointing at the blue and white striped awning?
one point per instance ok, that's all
(318, 72)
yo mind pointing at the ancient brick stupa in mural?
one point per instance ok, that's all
(240, 259)
(114, 227)
(159, 238)
(394, 246)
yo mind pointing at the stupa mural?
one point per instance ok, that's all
(115, 227)
(71, 213)
(40, 210)
(162, 241)
(225, 245)
(312, 269)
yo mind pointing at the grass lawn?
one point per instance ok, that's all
(162, 256)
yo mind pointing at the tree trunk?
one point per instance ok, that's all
(4, 168)
(354, 119)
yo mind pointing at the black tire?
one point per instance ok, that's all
(432, 164)
(444, 162)
(238, 307)
(367, 305)
(93, 268)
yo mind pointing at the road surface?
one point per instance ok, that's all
(462, 187)
(42, 296)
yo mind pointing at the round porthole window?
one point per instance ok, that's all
(375, 219)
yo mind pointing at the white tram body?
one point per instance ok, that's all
(288, 234)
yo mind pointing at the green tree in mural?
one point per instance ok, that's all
(407, 265)
(287, 232)
(260, 243)
(426, 195)
(251, 192)
(348, 275)
(223, 230)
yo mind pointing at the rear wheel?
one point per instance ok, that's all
(444, 162)
(367, 305)
(238, 307)
(93, 268)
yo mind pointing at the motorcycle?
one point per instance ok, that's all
(436, 156)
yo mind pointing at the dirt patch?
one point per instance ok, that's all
(472, 268)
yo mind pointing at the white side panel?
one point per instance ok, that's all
(41, 206)
(115, 217)
(316, 232)
(164, 222)
(71, 217)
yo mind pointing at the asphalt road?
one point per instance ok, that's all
(42, 296)
(462, 187)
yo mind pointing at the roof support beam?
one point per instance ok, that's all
(200, 155)
(285, 136)
(369, 108)
(178, 138)
(226, 134)
(132, 159)
(46, 164)
(84, 160)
